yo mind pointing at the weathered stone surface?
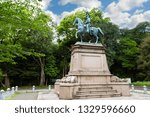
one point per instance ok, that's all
(89, 67)
(88, 59)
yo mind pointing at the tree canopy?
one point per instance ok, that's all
(22, 34)
(144, 60)
(122, 45)
(28, 55)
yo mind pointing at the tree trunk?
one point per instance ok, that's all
(42, 76)
(2, 84)
(7, 81)
(46, 82)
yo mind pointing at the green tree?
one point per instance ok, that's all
(40, 40)
(137, 34)
(144, 60)
(1, 76)
(128, 50)
(27, 25)
(125, 60)
(51, 69)
(128, 53)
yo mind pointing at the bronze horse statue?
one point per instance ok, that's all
(93, 31)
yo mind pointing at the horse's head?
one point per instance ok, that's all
(78, 21)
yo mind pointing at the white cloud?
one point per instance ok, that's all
(83, 3)
(57, 18)
(66, 13)
(119, 13)
(147, 15)
(118, 18)
(126, 5)
(44, 4)
(138, 11)
(54, 17)
(137, 18)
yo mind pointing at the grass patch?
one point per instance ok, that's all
(3, 88)
(41, 87)
(141, 83)
(36, 87)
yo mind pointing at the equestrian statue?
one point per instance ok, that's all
(86, 28)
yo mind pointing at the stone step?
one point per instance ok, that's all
(93, 84)
(87, 91)
(101, 93)
(97, 92)
(94, 88)
(90, 96)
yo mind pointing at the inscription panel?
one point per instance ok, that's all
(91, 62)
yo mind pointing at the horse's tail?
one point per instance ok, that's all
(100, 30)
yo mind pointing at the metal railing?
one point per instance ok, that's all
(144, 90)
(8, 92)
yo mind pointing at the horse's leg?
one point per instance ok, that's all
(81, 38)
(96, 39)
(90, 41)
(77, 34)
(91, 33)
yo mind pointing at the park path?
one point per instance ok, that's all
(26, 96)
(41, 94)
(48, 95)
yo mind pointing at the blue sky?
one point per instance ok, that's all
(125, 13)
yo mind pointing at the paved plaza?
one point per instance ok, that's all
(51, 95)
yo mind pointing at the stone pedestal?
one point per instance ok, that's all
(89, 64)
(89, 69)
